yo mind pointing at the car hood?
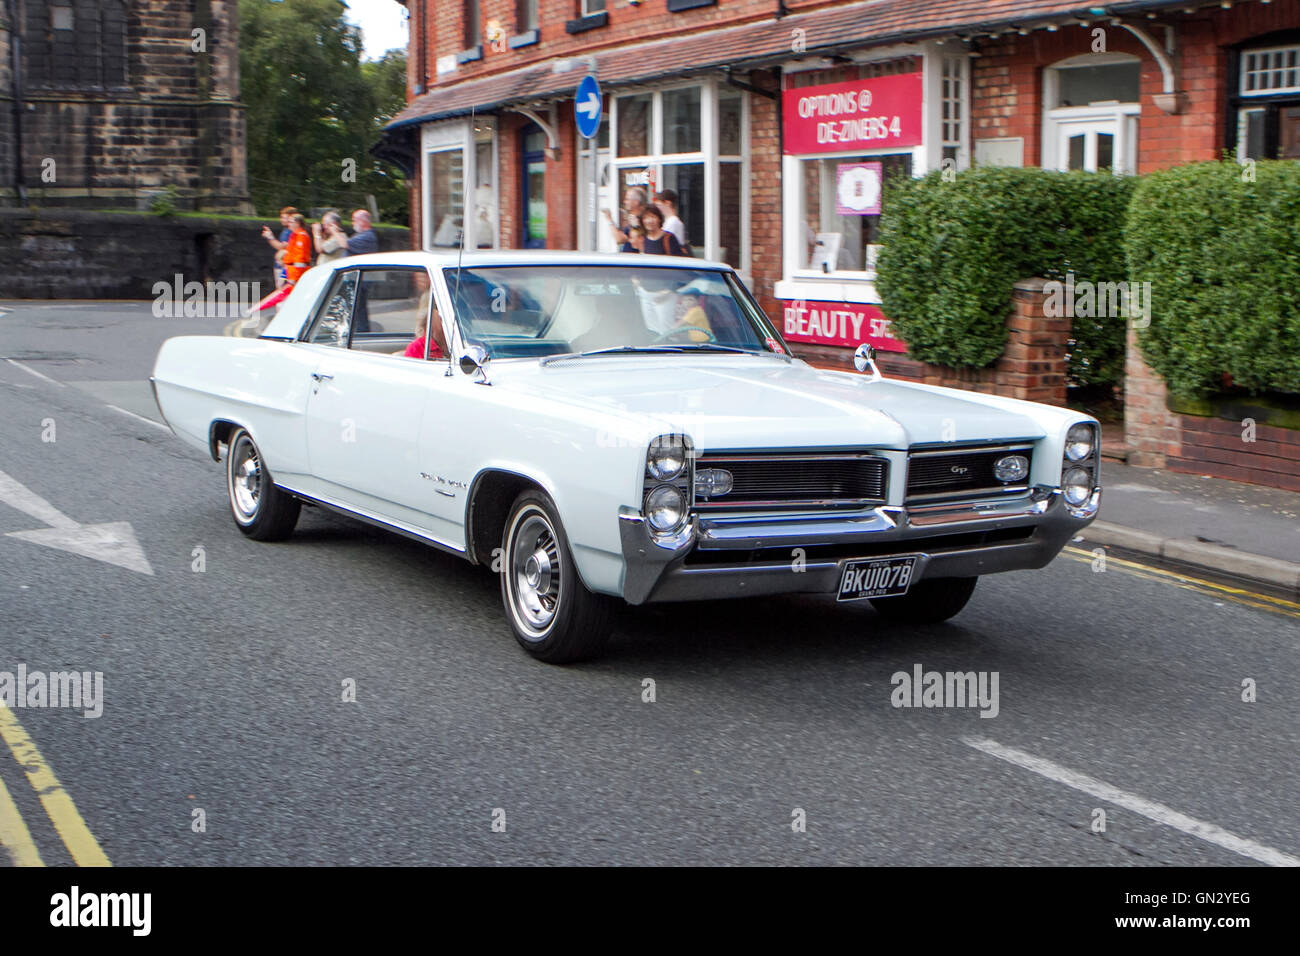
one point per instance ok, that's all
(738, 401)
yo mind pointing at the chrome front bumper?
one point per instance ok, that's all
(717, 557)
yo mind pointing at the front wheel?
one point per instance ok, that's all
(927, 601)
(553, 615)
(261, 510)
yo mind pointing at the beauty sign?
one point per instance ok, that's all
(857, 188)
(880, 113)
(839, 323)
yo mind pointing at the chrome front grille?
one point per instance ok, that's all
(933, 474)
(795, 480)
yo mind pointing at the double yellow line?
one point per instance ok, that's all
(72, 829)
(1264, 602)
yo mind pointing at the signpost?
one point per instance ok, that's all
(587, 104)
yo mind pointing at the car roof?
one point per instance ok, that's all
(291, 317)
(515, 257)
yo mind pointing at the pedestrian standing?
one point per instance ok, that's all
(364, 239)
(329, 238)
(666, 200)
(634, 203)
(657, 242)
(280, 243)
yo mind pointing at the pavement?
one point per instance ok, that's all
(349, 697)
(1226, 530)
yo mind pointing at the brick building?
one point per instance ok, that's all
(105, 103)
(775, 119)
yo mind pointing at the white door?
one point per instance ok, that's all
(1091, 144)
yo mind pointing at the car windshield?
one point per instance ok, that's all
(527, 310)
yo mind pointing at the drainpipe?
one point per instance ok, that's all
(15, 64)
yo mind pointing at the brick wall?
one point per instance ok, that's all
(1150, 429)
(765, 192)
(1031, 367)
(1215, 446)
(1007, 79)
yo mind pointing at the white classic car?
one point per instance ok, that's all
(618, 428)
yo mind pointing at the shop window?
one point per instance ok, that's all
(841, 206)
(682, 120)
(1267, 98)
(446, 190)
(660, 144)
(534, 183)
(634, 124)
(1092, 120)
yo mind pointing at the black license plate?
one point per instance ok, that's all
(878, 577)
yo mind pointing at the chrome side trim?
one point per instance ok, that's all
(370, 518)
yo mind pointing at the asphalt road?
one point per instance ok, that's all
(223, 688)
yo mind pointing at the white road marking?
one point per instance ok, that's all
(141, 418)
(32, 371)
(113, 542)
(1147, 808)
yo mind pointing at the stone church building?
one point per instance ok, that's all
(105, 104)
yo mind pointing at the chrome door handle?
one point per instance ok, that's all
(319, 377)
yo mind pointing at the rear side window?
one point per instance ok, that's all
(334, 320)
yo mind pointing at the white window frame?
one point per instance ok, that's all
(589, 8)
(1293, 48)
(707, 155)
(857, 287)
(1122, 116)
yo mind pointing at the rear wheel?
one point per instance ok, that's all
(928, 601)
(261, 510)
(553, 615)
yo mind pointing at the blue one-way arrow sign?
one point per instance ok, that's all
(586, 106)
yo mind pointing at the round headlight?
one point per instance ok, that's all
(1076, 485)
(665, 508)
(667, 458)
(1011, 468)
(1079, 441)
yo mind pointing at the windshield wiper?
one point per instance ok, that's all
(614, 350)
(714, 347)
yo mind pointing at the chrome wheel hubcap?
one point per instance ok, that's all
(536, 572)
(245, 479)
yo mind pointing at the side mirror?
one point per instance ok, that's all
(475, 360)
(864, 359)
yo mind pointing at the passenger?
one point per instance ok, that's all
(695, 316)
(437, 347)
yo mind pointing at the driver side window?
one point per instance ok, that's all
(334, 320)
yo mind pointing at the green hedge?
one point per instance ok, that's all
(1222, 254)
(951, 251)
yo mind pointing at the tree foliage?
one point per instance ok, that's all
(314, 109)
